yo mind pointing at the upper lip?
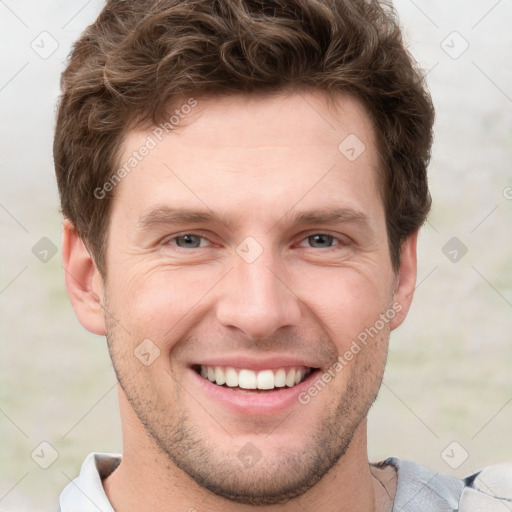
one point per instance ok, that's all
(256, 364)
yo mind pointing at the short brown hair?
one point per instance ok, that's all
(141, 56)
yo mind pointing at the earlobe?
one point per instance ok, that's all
(405, 280)
(83, 281)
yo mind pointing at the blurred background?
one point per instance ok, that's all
(446, 401)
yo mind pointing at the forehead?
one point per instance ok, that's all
(242, 154)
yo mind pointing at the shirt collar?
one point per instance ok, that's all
(85, 493)
(417, 487)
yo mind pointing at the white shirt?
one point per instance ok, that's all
(418, 489)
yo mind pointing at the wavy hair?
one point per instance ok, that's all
(140, 57)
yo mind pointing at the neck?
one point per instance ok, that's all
(147, 479)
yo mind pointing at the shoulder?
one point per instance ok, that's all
(418, 488)
(488, 490)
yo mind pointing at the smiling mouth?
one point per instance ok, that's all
(254, 381)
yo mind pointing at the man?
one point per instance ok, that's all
(243, 184)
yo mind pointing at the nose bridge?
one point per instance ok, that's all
(255, 299)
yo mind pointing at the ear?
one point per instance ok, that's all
(405, 280)
(83, 281)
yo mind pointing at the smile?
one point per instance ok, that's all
(246, 379)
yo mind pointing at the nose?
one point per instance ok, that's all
(256, 299)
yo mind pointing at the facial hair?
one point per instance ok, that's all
(277, 477)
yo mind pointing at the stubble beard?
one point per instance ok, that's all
(274, 479)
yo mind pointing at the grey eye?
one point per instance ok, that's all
(188, 241)
(321, 241)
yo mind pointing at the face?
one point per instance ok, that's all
(248, 249)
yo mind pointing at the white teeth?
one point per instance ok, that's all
(220, 378)
(290, 378)
(280, 378)
(266, 379)
(231, 378)
(249, 379)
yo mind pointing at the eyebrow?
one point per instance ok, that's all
(165, 215)
(330, 216)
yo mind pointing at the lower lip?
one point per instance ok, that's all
(254, 404)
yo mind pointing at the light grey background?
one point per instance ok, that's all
(446, 401)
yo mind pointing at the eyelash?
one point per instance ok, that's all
(342, 241)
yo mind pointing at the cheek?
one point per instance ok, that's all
(157, 303)
(162, 302)
(347, 303)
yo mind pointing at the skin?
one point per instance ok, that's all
(256, 163)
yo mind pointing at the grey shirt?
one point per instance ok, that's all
(418, 489)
